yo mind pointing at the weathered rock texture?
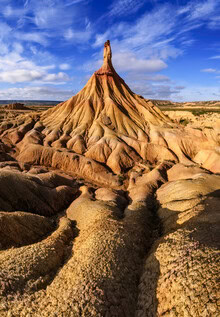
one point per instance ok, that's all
(103, 193)
(181, 274)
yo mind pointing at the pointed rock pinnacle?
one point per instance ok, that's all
(107, 68)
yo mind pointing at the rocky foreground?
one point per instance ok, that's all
(108, 208)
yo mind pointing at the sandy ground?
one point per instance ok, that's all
(209, 119)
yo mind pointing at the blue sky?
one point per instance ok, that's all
(163, 49)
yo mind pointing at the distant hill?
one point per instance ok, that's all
(30, 102)
(168, 103)
(157, 102)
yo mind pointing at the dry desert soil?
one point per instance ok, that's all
(110, 205)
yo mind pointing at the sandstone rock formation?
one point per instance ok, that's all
(108, 208)
(181, 273)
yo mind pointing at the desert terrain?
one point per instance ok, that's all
(110, 205)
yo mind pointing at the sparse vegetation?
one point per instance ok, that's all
(181, 105)
(184, 122)
(198, 111)
(121, 178)
(211, 128)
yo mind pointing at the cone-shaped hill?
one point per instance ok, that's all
(104, 130)
(105, 106)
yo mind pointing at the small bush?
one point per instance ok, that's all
(121, 178)
(184, 122)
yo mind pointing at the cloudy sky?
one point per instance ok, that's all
(163, 49)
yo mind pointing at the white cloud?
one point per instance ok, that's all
(162, 33)
(179, 87)
(215, 57)
(124, 7)
(5, 30)
(159, 78)
(77, 36)
(27, 75)
(64, 66)
(69, 34)
(202, 9)
(209, 70)
(127, 61)
(20, 75)
(70, 3)
(10, 12)
(26, 3)
(155, 91)
(101, 38)
(36, 37)
(3, 48)
(143, 77)
(40, 54)
(145, 37)
(51, 17)
(200, 93)
(56, 77)
(16, 69)
(214, 23)
(56, 16)
(35, 93)
(18, 48)
(41, 21)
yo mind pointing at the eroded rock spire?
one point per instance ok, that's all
(107, 54)
(107, 67)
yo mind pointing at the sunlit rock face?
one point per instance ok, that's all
(108, 208)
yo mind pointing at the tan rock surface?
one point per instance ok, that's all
(19, 191)
(104, 192)
(20, 228)
(181, 273)
(101, 275)
(31, 267)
